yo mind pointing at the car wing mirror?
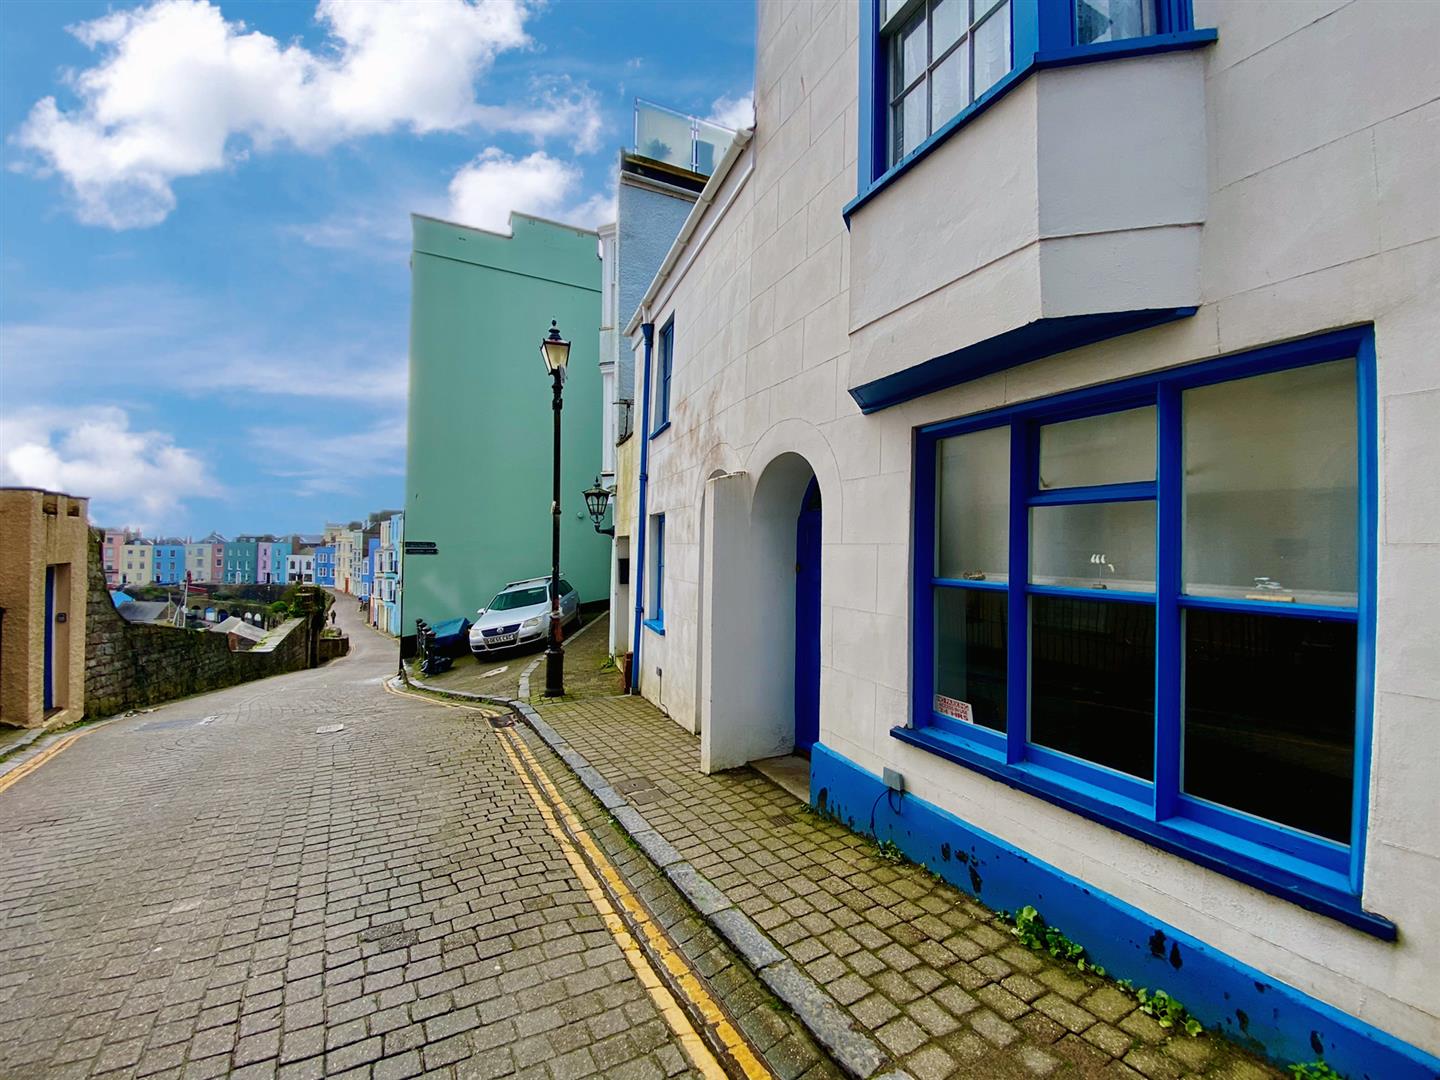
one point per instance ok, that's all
(480, 611)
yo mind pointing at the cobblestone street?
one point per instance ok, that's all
(215, 887)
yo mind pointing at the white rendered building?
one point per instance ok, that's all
(1044, 407)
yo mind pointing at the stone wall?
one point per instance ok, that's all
(332, 648)
(132, 666)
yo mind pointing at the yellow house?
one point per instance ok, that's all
(137, 563)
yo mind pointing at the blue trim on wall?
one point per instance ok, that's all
(1256, 1010)
(1368, 441)
(48, 702)
(647, 331)
(1044, 337)
(663, 427)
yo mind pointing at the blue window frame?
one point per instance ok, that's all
(656, 606)
(662, 377)
(927, 67)
(1153, 603)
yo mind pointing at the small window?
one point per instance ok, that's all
(1112, 20)
(656, 606)
(663, 371)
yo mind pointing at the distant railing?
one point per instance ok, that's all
(686, 142)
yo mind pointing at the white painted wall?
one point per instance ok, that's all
(1320, 166)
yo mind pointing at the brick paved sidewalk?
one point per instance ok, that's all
(929, 974)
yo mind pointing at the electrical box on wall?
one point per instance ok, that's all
(893, 780)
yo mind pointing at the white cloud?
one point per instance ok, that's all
(132, 326)
(178, 91)
(734, 113)
(137, 477)
(339, 464)
(483, 193)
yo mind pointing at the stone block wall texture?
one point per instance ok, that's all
(129, 666)
(333, 647)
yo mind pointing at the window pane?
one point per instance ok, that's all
(949, 87)
(909, 120)
(970, 655)
(1271, 475)
(1270, 717)
(910, 53)
(992, 49)
(1112, 20)
(972, 495)
(1114, 448)
(947, 22)
(1092, 681)
(1094, 545)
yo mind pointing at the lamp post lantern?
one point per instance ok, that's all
(555, 351)
(597, 498)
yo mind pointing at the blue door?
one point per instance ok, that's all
(49, 638)
(807, 621)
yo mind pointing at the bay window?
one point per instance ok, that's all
(942, 55)
(927, 65)
(1152, 603)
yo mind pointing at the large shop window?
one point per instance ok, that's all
(1153, 603)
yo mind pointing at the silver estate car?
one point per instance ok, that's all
(520, 614)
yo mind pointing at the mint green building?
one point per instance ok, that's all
(478, 465)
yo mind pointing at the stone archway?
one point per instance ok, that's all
(748, 687)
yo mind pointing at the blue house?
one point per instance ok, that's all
(169, 562)
(325, 565)
(367, 572)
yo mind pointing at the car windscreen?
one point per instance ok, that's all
(519, 598)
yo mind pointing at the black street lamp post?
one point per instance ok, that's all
(556, 352)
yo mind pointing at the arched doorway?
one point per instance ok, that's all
(760, 679)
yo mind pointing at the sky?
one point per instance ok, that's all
(204, 223)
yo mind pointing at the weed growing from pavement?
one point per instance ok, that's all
(891, 852)
(1035, 933)
(1315, 1070)
(624, 833)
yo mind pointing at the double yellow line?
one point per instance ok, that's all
(606, 888)
(15, 775)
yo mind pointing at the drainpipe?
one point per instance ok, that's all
(642, 519)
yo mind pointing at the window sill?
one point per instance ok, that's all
(1152, 45)
(662, 428)
(655, 626)
(1323, 891)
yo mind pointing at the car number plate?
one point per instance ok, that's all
(500, 639)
